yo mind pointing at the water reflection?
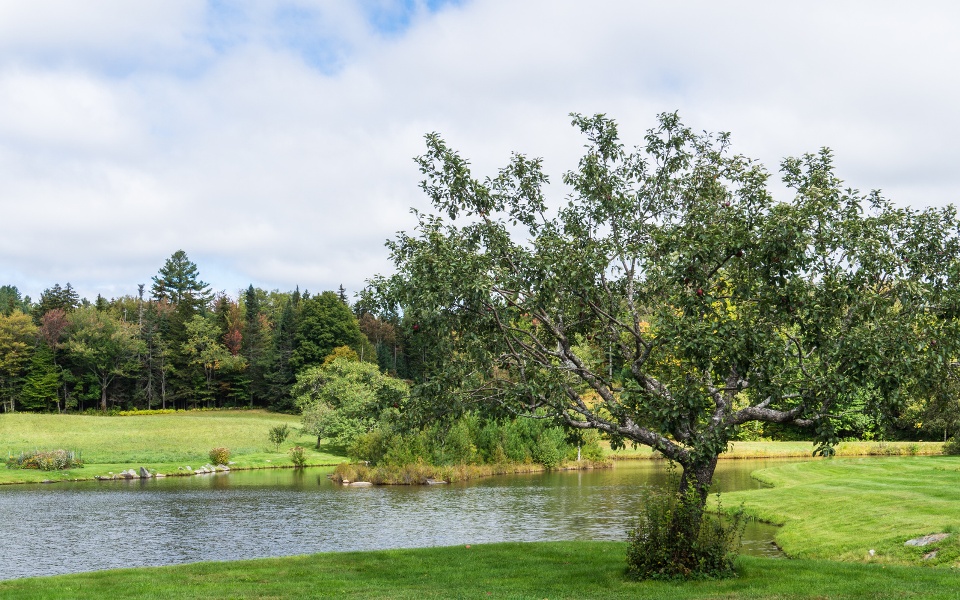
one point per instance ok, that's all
(73, 527)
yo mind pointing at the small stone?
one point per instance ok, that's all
(871, 552)
(927, 539)
(144, 473)
(930, 555)
(360, 484)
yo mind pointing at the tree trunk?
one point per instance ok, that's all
(699, 477)
(103, 396)
(692, 494)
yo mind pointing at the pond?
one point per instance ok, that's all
(87, 526)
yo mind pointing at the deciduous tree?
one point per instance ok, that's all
(104, 345)
(345, 398)
(17, 333)
(714, 303)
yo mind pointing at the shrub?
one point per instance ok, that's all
(279, 434)
(298, 457)
(952, 446)
(550, 448)
(220, 456)
(675, 539)
(54, 460)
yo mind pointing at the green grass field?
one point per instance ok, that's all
(790, 449)
(843, 508)
(836, 509)
(582, 570)
(162, 443)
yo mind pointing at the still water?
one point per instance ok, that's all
(87, 526)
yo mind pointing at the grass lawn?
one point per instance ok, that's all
(830, 509)
(513, 570)
(162, 443)
(843, 508)
(788, 449)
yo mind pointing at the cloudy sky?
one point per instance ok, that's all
(273, 140)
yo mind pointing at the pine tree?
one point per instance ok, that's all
(179, 282)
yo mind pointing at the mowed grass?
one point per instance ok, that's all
(844, 507)
(790, 449)
(513, 570)
(164, 443)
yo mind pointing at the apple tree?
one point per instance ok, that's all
(672, 297)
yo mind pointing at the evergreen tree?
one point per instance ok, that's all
(179, 282)
(42, 383)
(256, 346)
(281, 375)
(10, 300)
(325, 323)
(64, 298)
(179, 287)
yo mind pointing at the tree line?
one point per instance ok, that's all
(176, 344)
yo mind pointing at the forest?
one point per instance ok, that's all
(178, 345)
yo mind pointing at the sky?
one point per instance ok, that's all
(273, 140)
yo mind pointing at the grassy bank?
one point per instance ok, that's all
(797, 449)
(514, 570)
(843, 508)
(163, 443)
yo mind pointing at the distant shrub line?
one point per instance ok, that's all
(420, 473)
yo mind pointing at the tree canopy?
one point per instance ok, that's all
(672, 298)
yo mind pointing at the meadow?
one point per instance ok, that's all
(833, 513)
(165, 443)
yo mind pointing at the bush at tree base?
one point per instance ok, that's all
(677, 539)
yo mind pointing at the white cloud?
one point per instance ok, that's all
(273, 141)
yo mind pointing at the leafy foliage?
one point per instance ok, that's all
(672, 299)
(952, 447)
(278, 434)
(344, 399)
(472, 440)
(660, 546)
(298, 457)
(674, 292)
(220, 455)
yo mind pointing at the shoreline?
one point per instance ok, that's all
(736, 451)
